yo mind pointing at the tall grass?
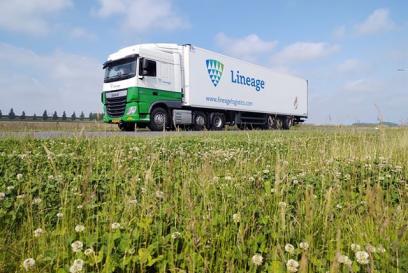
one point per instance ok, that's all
(235, 202)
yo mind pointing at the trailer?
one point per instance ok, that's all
(165, 86)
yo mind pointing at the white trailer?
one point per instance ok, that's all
(171, 85)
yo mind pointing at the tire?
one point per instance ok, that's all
(126, 126)
(199, 121)
(286, 123)
(217, 122)
(159, 119)
(270, 123)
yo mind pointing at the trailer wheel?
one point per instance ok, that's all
(126, 126)
(270, 122)
(199, 121)
(217, 122)
(159, 119)
(286, 123)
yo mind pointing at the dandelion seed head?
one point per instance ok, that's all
(77, 246)
(292, 265)
(77, 266)
(2, 196)
(19, 176)
(257, 259)
(362, 257)
(28, 264)
(175, 235)
(79, 228)
(38, 232)
(236, 217)
(355, 247)
(89, 252)
(37, 201)
(115, 226)
(289, 248)
(304, 245)
(60, 215)
(282, 205)
(159, 194)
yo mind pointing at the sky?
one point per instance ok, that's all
(351, 52)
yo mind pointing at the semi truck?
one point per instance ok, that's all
(168, 86)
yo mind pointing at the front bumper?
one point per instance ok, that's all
(134, 118)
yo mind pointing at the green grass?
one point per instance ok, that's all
(207, 203)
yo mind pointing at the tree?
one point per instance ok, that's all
(23, 115)
(82, 116)
(64, 116)
(91, 115)
(45, 115)
(1, 114)
(35, 116)
(73, 116)
(11, 114)
(55, 116)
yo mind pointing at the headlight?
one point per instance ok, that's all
(131, 110)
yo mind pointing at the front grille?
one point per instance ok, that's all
(115, 107)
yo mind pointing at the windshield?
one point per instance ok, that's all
(120, 70)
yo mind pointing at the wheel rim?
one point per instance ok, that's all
(270, 122)
(217, 122)
(200, 120)
(159, 118)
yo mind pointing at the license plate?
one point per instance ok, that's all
(110, 95)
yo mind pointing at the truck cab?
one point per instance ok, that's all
(139, 79)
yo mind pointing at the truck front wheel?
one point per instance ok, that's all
(217, 121)
(159, 119)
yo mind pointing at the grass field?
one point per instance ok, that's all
(308, 200)
(35, 126)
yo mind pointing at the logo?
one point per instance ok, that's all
(215, 69)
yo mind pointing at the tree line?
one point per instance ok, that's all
(54, 117)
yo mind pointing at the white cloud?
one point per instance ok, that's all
(29, 16)
(81, 33)
(56, 81)
(378, 21)
(143, 15)
(303, 51)
(249, 47)
(350, 66)
(360, 85)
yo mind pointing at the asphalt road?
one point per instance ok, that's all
(58, 134)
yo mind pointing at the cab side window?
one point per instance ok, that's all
(147, 68)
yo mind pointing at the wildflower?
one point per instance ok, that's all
(2, 196)
(292, 265)
(251, 179)
(19, 176)
(362, 257)
(282, 205)
(79, 228)
(10, 188)
(159, 194)
(38, 232)
(228, 178)
(77, 246)
(37, 201)
(175, 235)
(273, 190)
(77, 266)
(89, 252)
(257, 259)
(60, 215)
(28, 264)
(304, 245)
(295, 181)
(80, 206)
(343, 259)
(355, 247)
(265, 171)
(115, 226)
(339, 206)
(289, 248)
(236, 217)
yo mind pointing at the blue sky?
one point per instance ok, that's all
(51, 51)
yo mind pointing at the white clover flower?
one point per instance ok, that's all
(77, 266)
(304, 245)
(2, 196)
(282, 205)
(289, 248)
(236, 217)
(159, 194)
(28, 264)
(37, 201)
(362, 257)
(19, 176)
(89, 252)
(175, 235)
(79, 228)
(38, 232)
(60, 215)
(10, 188)
(292, 265)
(77, 246)
(257, 259)
(115, 226)
(355, 247)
